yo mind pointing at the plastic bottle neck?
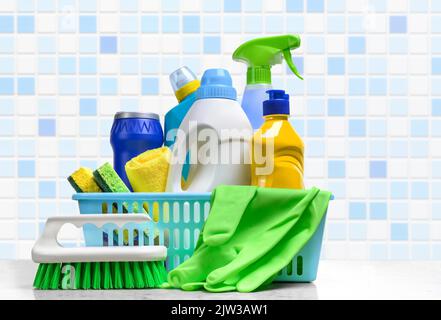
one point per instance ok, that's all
(187, 90)
(276, 117)
(259, 74)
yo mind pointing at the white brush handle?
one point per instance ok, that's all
(48, 250)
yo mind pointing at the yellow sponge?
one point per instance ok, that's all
(82, 181)
(148, 171)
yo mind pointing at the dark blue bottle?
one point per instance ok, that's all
(133, 133)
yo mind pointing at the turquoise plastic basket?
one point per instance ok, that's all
(177, 221)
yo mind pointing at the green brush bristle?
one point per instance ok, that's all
(117, 276)
(162, 271)
(107, 276)
(40, 275)
(56, 277)
(87, 275)
(48, 276)
(78, 269)
(100, 275)
(138, 276)
(127, 276)
(96, 283)
(159, 273)
(148, 277)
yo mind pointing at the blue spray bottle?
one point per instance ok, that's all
(259, 55)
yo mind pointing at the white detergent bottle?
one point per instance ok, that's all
(217, 133)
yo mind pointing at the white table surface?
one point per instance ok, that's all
(336, 280)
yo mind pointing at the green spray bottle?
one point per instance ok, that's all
(260, 55)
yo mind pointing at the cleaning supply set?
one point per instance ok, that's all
(213, 222)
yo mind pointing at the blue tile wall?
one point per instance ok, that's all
(398, 24)
(315, 5)
(108, 44)
(294, 5)
(191, 24)
(357, 210)
(369, 109)
(170, 24)
(212, 44)
(232, 6)
(25, 24)
(87, 24)
(46, 127)
(6, 24)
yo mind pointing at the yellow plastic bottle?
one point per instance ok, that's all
(277, 149)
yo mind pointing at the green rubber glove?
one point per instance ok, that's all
(250, 235)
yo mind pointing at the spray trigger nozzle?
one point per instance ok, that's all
(290, 63)
(262, 53)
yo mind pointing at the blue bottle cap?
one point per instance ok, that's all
(216, 83)
(278, 103)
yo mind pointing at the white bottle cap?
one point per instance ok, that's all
(181, 77)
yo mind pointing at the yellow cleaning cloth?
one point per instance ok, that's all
(148, 171)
